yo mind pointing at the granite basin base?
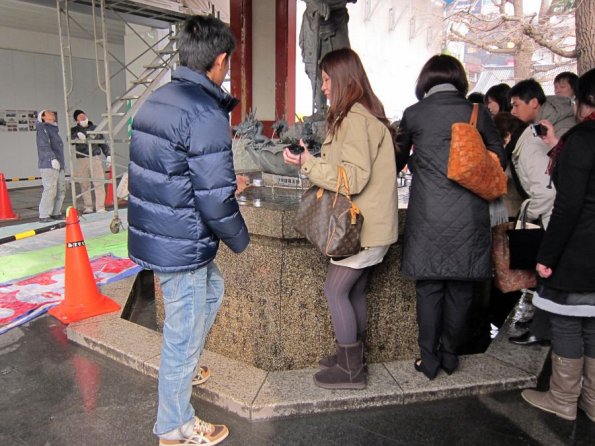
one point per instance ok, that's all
(257, 394)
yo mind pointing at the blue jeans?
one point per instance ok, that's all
(191, 301)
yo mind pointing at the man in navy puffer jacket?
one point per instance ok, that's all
(182, 188)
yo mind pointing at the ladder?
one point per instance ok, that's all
(125, 106)
(120, 111)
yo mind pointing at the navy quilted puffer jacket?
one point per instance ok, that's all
(181, 177)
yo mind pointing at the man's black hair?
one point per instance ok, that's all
(527, 90)
(585, 92)
(569, 77)
(201, 40)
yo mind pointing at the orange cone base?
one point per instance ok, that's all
(12, 216)
(74, 313)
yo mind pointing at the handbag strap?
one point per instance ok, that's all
(474, 113)
(342, 181)
(523, 214)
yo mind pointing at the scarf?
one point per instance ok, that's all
(559, 148)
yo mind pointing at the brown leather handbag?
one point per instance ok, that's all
(506, 279)
(472, 165)
(330, 220)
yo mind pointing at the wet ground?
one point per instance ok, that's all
(54, 392)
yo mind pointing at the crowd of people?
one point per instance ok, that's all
(182, 187)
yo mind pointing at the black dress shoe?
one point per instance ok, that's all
(46, 220)
(418, 367)
(448, 370)
(528, 339)
(58, 217)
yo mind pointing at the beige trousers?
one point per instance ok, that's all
(92, 170)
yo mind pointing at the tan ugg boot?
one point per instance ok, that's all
(565, 388)
(587, 400)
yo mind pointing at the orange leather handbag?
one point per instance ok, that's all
(472, 165)
(506, 279)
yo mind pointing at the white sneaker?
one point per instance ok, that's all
(203, 434)
(87, 211)
(101, 211)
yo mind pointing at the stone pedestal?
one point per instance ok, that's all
(275, 315)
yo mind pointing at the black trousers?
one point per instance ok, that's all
(572, 336)
(540, 326)
(442, 307)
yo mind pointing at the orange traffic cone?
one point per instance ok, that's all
(81, 296)
(109, 195)
(6, 212)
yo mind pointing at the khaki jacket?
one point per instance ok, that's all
(364, 147)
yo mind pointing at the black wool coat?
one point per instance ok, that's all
(568, 246)
(447, 231)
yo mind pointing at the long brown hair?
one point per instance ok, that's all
(349, 84)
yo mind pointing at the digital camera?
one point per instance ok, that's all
(538, 129)
(296, 149)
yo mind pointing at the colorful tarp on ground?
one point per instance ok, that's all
(23, 299)
(25, 264)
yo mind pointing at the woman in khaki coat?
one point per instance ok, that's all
(360, 140)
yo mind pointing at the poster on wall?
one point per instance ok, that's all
(18, 120)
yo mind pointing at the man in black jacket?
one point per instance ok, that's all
(89, 165)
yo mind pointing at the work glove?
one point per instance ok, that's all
(108, 160)
(55, 164)
(81, 135)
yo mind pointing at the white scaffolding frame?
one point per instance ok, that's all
(115, 119)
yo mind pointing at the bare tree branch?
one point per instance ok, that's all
(538, 37)
(498, 50)
(534, 26)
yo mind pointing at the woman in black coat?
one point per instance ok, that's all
(567, 267)
(447, 232)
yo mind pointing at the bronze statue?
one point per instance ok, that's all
(324, 28)
(266, 152)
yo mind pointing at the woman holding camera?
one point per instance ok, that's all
(359, 139)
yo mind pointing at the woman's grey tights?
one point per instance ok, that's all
(345, 290)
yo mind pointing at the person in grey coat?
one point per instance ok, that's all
(50, 153)
(447, 232)
(529, 158)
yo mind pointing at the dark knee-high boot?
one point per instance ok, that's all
(348, 372)
(587, 399)
(565, 388)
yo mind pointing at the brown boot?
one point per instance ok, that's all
(587, 400)
(331, 360)
(565, 388)
(348, 373)
(328, 361)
